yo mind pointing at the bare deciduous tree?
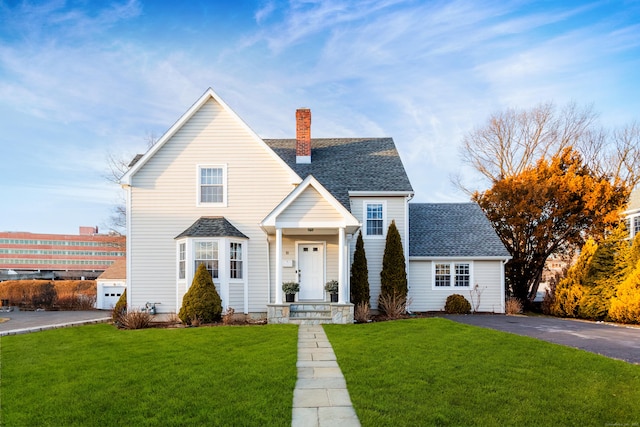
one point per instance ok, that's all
(514, 140)
(117, 166)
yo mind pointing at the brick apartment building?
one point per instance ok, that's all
(58, 256)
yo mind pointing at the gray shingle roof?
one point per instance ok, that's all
(452, 229)
(348, 164)
(208, 226)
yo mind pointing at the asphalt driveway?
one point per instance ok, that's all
(29, 321)
(615, 341)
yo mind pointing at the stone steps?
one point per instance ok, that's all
(312, 313)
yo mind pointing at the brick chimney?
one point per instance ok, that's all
(303, 135)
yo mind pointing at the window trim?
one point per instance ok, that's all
(199, 169)
(242, 259)
(452, 274)
(365, 204)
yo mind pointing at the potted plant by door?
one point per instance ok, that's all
(332, 287)
(290, 289)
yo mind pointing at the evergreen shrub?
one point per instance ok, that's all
(201, 303)
(457, 304)
(393, 277)
(360, 293)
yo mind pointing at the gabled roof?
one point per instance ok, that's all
(348, 220)
(343, 165)
(209, 94)
(212, 226)
(117, 270)
(452, 230)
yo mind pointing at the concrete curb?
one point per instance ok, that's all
(55, 326)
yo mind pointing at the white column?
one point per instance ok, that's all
(342, 279)
(278, 266)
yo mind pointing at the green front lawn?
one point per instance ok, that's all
(438, 372)
(99, 376)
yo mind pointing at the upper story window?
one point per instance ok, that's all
(212, 185)
(452, 274)
(235, 260)
(207, 253)
(374, 218)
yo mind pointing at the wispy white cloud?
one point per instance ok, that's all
(424, 73)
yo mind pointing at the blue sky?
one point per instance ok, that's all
(80, 79)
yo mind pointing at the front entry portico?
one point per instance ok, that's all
(307, 232)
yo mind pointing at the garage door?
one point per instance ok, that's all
(110, 296)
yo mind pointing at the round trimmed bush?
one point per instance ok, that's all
(457, 304)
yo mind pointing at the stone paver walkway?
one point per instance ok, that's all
(321, 397)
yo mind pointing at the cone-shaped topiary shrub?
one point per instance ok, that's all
(359, 275)
(201, 302)
(393, 277)
(457, 304)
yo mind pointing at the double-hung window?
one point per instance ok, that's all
(235, 260)
(182, 260)
(374, 216)
(443, 275)
(463, 275)
(207, 253)
(452, 275)
(212, 185)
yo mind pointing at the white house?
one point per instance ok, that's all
(259, 212)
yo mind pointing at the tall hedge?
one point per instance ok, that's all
(604, 283)
(360, 274)
(625, 305)
(393, 276)
(201, 301)
(608, 267)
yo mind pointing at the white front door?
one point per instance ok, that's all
(311, 271)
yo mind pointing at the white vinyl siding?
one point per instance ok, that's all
(236, 296)
(309, 207)
(426, 297)
(162, 204)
